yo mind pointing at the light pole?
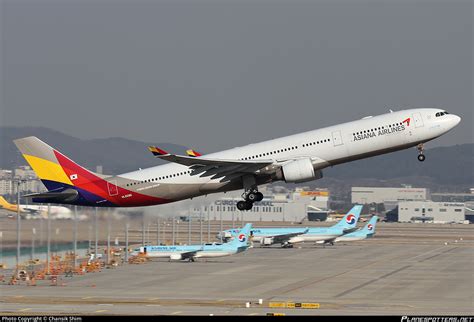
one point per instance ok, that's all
(126, 241)
(48, 239)
(158, 230)
(33, 243)
(208, 225)
(143, 229)
(108, 238)
(200, 225)
(96, 224)
(18, 222)
(189, 229)
(75, 237)
(221, 226)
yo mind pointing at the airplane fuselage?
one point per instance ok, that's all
(326, 147)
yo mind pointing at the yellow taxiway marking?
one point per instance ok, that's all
(152, 305)
(177, 312)
(100, 311)
(221, 300)
(153, 298)
(253, 314)
(23, 310)
(87, 297)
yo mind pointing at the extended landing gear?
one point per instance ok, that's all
(250, 195)
(421, 156)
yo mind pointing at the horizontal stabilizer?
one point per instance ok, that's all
(66, 195)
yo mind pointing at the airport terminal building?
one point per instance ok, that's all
(368, 195)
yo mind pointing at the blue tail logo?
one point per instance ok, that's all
(351, 219)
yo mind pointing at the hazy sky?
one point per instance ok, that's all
(215, 74)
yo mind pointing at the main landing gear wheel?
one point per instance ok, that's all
(421, 157)
(255, 196)
(244, 205)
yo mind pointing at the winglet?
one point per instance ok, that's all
(157, 152)
(193, 153)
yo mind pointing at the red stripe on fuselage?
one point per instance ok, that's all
(86, 180)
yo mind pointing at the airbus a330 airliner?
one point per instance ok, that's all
(295, 158)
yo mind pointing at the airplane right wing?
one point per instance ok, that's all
(217, 168)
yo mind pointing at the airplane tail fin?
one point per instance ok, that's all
(55, 170)
(243, 237)
(369, 229)
(66, 181)
(349, 221)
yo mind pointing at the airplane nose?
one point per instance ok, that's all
(455, 120)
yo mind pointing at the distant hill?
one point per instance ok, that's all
(453, 165)
(116, 155)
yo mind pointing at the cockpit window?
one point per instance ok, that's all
(441, 114)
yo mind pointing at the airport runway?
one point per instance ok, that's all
(409, 272)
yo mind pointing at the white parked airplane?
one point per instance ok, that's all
(37, 211)
(295, 158)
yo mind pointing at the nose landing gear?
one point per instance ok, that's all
(421, 156)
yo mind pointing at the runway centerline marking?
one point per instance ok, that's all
(177, 312)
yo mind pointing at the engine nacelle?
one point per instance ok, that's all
(267, 241)
(176, 256)
(300, 171)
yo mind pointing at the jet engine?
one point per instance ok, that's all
(300, 171)
(267, 241)
(176, 256)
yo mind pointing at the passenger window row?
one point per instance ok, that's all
(316, 142)
(378, 128)
(269, 153)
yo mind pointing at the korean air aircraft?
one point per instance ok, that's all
(295, 158)
(190, 252)
(367, 232)
(289, 236)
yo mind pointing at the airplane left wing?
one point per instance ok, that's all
(191, 254)
(217, 168)
(286, 237)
